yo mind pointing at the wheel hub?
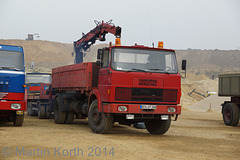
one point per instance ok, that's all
(96, 117)
(227, 114)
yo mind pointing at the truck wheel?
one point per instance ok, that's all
(29, 109)
(41, 111)
(69, 118)
(158, 126)
(18, 120)
(99, 122)
(47, 114)
(59, 116)
(230, 114)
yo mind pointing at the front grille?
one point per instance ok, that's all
(146, 94)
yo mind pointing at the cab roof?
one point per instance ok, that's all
(142, 47)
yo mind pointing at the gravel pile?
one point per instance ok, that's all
(211, 103)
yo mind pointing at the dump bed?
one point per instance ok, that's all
(229, 85)
(79, 77)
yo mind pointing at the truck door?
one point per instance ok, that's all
(104, 76)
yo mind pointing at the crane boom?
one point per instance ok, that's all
(98, 33)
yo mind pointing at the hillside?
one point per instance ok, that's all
(210, 59)
(44, 54)
(47, 55)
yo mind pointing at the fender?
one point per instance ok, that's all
(98, 96)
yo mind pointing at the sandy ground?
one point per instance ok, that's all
(196, 135)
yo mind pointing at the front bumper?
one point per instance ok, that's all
(6, 105)
(136, 109)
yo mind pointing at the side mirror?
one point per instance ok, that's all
(100, 53)
(184, 64)
(99, 63)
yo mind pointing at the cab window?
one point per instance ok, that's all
(105, 58)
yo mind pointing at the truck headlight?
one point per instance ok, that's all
(16, 106)
(122, 108)
(171, 109)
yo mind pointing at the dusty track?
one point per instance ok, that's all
(196, 135)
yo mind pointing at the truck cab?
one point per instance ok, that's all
(138, 84)
(37, 85)
(12, 84)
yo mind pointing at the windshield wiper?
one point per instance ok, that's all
(136, 69)
(13, 68)
(159, 69)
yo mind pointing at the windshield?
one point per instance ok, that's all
(125, 59)
(38, 78)
(11, 60)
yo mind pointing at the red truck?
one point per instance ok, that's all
(37, 85)
(128, 84)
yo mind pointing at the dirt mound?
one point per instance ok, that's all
(196, 88)
(211, 103)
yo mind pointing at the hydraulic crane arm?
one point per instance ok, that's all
(98, 33)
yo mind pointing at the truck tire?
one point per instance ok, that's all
(47, 111)
(230, 114)
(69, 118)
(59, 116)
(29, 109)
(18, 120)
(99, 122)
(41, 111)
(158, 126)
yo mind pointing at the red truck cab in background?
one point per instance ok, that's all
(128, 84)
(37, 85)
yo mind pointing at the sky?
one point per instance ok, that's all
(180, 24)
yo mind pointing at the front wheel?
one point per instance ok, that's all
(158, 126)
(230, 114)
(99, 122)
(18, 120)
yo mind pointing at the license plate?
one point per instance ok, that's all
(129, 116)
(148, 106)
(164, 117)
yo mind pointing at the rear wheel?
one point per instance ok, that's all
(28, 112)
(59, 116)
(99, 122)
(29, 109)
(231, 114)
(41, 111)
(69, 118)
(18, 120)
(158, 126)
(47, 112)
